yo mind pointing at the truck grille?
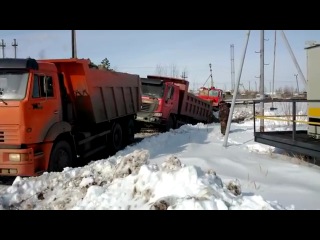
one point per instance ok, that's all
(9, 134)
(149, 107)
(145, 107)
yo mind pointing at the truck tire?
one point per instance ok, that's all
(61, 156)
(130, 131)
(116, 137)
(170, 123)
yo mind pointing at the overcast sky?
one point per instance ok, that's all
(140, 51)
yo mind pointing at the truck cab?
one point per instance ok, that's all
(215, 95)
(30, 105)
(159, 100)
(167, 103)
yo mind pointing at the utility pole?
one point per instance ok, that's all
(211, 74)
(249, 87)
(274, 69)
(296, 75)
(232, 67)
(194, 86)
(74, 44)
(15, 45)
(274, 60)
(225, 142)
(2, 45)
(270, 88)
(183, 75)
(261, 80)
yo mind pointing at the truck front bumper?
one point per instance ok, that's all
(150, 119)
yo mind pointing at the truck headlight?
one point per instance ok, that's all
(17, 157)
(159, 114)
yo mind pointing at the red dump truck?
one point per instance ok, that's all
(166, 103)
(55, 112)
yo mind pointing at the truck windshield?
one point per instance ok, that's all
(13, 84)
(152, 90)
(213, 93)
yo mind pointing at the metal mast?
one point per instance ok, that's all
(211, 74)
(233, 80)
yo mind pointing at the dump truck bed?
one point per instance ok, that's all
(195, 107)
(99, 95)
(189, 104)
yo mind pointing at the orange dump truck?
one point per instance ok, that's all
(55, 112)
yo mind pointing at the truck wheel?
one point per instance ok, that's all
(170, 124)
(130, 131)
(116, 137)
(61, 157)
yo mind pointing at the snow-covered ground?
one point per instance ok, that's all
(186, 168)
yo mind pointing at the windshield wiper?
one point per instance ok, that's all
(3, 101)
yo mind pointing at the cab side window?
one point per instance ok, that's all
(170, 92)
(42, 86)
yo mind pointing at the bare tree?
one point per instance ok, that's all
(168, 71)
(174, 71)
(161, 70)
(288, 91)
(279, 90)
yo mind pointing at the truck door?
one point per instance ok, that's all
(169, 101)
(45, 107)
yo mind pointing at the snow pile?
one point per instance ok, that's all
(130, 182)
(258, 148)
(242, 114)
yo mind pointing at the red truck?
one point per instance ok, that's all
(212, 94)
(166, 103)
(55, 112)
